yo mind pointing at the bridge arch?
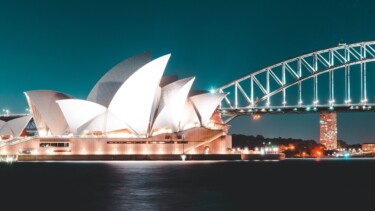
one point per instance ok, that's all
(254, 91)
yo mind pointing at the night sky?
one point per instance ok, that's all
(68, 45)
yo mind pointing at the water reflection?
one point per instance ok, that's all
(159, 186)
(180, 185)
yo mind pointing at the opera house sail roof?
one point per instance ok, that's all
(15, 126)
(206, 104)
(47, 115)
(104, 90)
(172, 102)
(130, 100)
(134, 101)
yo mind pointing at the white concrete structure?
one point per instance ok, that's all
(171, 106)
(206, 104)
(134, 103)
(15, 126)
(47, 115)
(140, 107)
(132, 109)
(107, 86)
(79, 112)
(189, 116)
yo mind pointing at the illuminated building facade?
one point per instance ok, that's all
(368, 147)
(132, 109)
(328, 129)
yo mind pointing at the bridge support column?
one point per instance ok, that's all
(328, 129)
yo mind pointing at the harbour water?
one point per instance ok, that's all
(188, 185)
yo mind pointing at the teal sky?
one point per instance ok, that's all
(68, 45)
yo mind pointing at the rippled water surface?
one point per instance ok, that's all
(189, 185)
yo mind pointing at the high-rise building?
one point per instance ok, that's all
(328, 129)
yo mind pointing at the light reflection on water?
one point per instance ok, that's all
(181, 185)
(160, 185)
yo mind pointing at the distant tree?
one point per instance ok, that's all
(355, 146)
(259, 137)
(341, 144)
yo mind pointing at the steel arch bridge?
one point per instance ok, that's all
(306, 83)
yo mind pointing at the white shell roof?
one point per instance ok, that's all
(206, 104)
(78, 112)
(105, 122)
(189, 116)
(128, 97)
(107, 86)
(5, 129)
(46, 112)
(133, 103)
(19, 124)
(95, 124)
(83, 115)
(155, 105)
(15, 126)
(172, 102)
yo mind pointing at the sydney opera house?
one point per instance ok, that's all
(132, 109)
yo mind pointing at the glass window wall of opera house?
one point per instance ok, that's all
(132, 109)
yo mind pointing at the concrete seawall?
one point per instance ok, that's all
(146, 157)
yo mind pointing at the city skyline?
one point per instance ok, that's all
(68, 46)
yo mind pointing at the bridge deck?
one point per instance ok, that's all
(297, 109)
